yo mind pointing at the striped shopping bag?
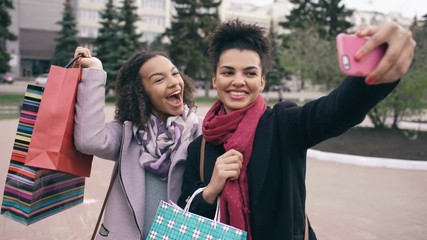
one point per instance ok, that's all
(32, 194)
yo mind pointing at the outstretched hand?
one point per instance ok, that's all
(87, 60)
(399, 54)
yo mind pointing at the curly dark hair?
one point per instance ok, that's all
(235, 34)
(132, 102)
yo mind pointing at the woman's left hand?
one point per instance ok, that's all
(399, 54)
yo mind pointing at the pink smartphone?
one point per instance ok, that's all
(347, 46)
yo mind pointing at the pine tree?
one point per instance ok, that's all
(328, 16)
(187, 48)
(332, 18)
(301, 15)
(129, 39)
(67, 40)
(5, 34)
(107, 41)
(277, 72)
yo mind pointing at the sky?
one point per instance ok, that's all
(408, 8)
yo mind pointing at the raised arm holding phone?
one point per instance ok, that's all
(255, 156)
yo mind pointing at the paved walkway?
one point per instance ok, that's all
(344, 201)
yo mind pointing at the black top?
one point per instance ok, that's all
(277, 168)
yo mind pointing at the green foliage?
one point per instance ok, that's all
(107, 40)
(408, 99)
(5, 34)
(67, 40)
(129, 38)
(312, 58)
(332, 18)
(327, 16)
(13, 99)
(309, 48)
(277, 72)
(301, 16)
(117, 39)
(187, 48)
(158, 45)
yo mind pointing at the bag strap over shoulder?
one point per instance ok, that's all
(306, 228)
(101, 213)
(202, 159)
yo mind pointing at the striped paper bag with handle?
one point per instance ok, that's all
(32, 194)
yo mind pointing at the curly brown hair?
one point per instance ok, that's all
(235, 34)
(132, 102)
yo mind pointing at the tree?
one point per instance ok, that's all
(129, 39)
(312, 58)
(158, 45)
(329, 17)
(107, 41)
(310, 49)
(277, 72)
(187, 48)
(67, 40)
(301, 16)
(117, 39)
(408, 99)
(332, 18)
(5, 34)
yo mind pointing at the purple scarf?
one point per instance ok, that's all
(160, 140)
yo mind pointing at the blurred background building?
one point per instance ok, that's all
(35, 24)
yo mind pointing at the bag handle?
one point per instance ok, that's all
(72, 62)
(190, 199)
(202, 159)
(306, 228)
(202, 163)
(101, 213)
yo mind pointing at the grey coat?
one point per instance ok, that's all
(123, 217)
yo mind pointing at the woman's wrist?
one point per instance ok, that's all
(209, 196)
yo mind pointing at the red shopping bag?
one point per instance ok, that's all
(52, 144)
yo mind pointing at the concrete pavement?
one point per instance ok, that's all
(344, 201)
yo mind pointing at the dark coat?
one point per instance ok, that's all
(277, 166)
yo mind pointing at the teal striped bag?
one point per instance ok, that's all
(32, 194)
(172, 222)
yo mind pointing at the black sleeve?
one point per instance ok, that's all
(332, 115)
(191, 182)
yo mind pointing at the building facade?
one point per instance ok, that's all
(35, 24)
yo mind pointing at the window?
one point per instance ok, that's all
(90, 32)
(153, 20)
(87, 14)
(149, 36)
(154, 4)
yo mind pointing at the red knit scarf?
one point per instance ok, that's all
(236, 130)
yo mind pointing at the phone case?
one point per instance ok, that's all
(347, 46)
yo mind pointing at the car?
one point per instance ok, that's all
(41, 79)
(6, 78)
